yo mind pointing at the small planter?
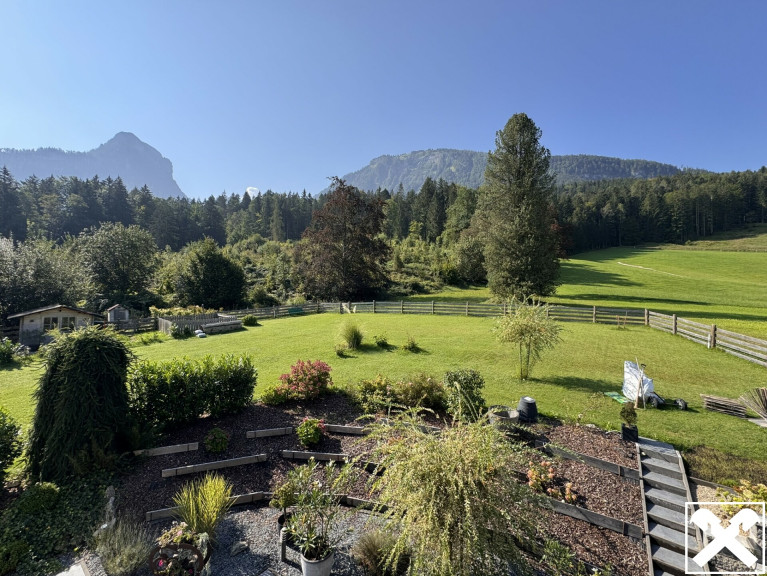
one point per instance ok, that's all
(503, 417)
(187, 557)
(629, 433)
(318, 567)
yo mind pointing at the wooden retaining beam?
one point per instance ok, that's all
(619, 526)
(266, 432)
(238, 500)
(338, 429)
(617, 469)
(195, 468)
(162, 450)
(319, 456)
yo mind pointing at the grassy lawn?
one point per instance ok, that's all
(568, 383)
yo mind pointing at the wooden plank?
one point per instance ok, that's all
(743, 356)
(339, 429)
(237, 500)
(611, 467)
(619, 526)
(724, 405)
(175, 449)
(266, 432)
(319, 456)
(758, 341)
(195, 468)
(744, 347)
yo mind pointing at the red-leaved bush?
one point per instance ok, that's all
(306, 381)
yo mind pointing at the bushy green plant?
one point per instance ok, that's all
(351, 334)
(179, 332)
(274, 395)
(124, 547)
(381, 340)
(229, 385)
(6, 351)
(216, 440)
(447, 494)
(310, 431)
(463, 389)
(418, 391)
(559, 557)
(82, 415)
(371, 551)
(305, 381)
(410, 345)
(745, 492)
(250, 320)
(10, 443)
(376, 394)
(203, 503)
(629, 414)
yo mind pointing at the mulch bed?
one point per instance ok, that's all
(143, 489)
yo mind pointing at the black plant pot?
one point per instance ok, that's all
(629, 433)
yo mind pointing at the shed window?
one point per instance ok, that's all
(68, 323)
(50, 323)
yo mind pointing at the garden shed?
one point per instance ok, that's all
(33, 324)
(118, 313)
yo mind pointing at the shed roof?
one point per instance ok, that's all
(52, 307)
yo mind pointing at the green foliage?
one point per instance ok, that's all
(6, 351)
(629, 414)
(180, 311)
(559, 557)
(82, 413)
(371, 551)
(410, 345)
(745, 492)
(124, 547)
(418, 391)
(351, 334)
(381, 340)
(464, 398)
(10, 443)
(448, 493)
(203, 503)
(179, 332)
(305, 381)
(514, 217)
(285, 494)
(47, 520)
(310, 431)
(530, 326)
(216, 440)
(250, 320)
(166, 394)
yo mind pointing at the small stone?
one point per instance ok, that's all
(238, 547)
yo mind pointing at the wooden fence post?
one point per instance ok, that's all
(646, 317)
(504, 307)
(274, 311)
(467, 308)
(673, 330)
(340, 307)
(712, 337)
(432, 307)
(594, 315)
(401, 306)
(374, 306)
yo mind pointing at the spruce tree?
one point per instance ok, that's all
(515, 214)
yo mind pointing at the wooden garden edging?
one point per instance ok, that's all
(319, 456)
(266, 432)
(239, 500)
(162, 450)
(194, 468)
(617, 469)
(619, 526)
(338, 429)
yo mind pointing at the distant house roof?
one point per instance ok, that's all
(53, 307)
(115, 306)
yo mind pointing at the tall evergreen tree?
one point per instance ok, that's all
(515, 216)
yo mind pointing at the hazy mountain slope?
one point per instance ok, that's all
(136, 162)
(467, 167)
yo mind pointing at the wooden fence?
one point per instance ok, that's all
(134, 325)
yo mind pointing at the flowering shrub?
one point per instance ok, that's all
(541, 477)
(178, 561)
(420, 390)
(306, 381)
(310, 431)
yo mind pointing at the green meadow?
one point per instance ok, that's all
(569, 382)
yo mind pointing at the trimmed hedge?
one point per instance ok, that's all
(167, 394)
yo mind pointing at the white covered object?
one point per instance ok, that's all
(631, 375)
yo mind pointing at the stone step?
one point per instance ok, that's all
(666, 499)
(657, 449)
(669, 560)
(665, 516)
(662, 466)
(658, 480)
(673, 539)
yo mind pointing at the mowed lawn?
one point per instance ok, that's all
(569, 382)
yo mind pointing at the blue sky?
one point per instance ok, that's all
(283, 94)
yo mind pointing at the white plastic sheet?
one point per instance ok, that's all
(631, 375)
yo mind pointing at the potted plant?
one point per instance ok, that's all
(629, 430)
(315, 514)
(180, 551)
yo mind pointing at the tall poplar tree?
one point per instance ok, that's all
(515, 214)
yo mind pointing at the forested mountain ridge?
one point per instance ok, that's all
(125, 156)
(467, 168)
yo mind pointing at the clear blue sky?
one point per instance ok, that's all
(281, 94)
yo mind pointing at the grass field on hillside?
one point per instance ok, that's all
(569, 382)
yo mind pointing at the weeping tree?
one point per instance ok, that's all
(82, 418)
(529, 325)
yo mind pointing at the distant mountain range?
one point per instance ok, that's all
(136, 162)
(467, 168)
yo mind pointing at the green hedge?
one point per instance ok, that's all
(167, 394)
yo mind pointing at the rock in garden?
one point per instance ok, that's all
(238, 547)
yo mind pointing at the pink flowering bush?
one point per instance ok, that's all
(306, 381)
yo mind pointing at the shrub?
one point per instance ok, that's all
(371, 551)
(249, 320)
(178, 332)
(351, 334)
(274, 396)
(10, 444)
(202, 503)
(410, 345)
(124, 547)
(83, 383)
(341, 350)
(229, 384)
(374, 395)
(216, 440)
(629, 414)
(306, 381)
(381, 340)
(418, 391)
(310, 431)
(746, 492)
(464, 394)
(6, 351)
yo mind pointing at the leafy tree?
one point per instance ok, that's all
(81, 419)
(515, 213)
(207, 278)
(121, 259)
(343, 254)
(531, 327)
(13, 221)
